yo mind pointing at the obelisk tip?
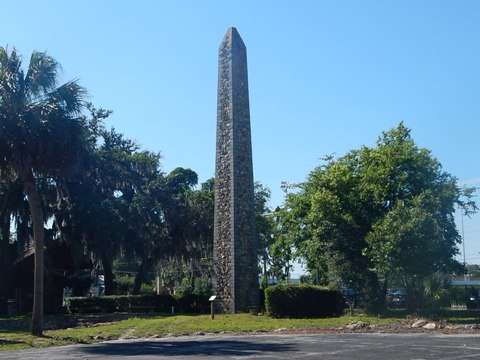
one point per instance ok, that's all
(232, 36)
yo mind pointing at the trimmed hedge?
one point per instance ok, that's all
(187, 303)
(192, 304)
(303, 301)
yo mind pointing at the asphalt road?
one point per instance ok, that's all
(338, 346)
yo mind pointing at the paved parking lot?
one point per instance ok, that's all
(338, 346)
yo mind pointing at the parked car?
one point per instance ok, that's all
(397, 299)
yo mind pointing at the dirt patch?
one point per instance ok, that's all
(402, 327)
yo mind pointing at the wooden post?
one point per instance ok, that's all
(212, 311)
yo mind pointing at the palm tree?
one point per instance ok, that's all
(11, 203)
(40, 136)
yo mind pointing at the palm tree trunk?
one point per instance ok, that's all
(5, 257)
(38, 237)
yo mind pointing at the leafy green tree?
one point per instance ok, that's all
(40, 136)
(201, 205)
(179, 185)
(147, 230)
(115, 209)
(374, 214)
(416, 235)
(265, 229)
(188, 214)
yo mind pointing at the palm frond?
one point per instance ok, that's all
(38, 120)
(11, 74)
(3, 56)
(70, 97)
(42, 74)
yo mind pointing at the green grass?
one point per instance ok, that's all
(185, 324)
(137, 325)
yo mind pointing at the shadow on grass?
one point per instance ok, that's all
(396, 313)
(448, 315)
(459, 316)
(15, 324)
(63, 321)
(4, 342)
(204, 347)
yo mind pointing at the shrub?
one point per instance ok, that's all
(203, 286)
(148, 288)
(79, 282)
(121, 303)
(301, 301)
(124, 284)
(185, 303)
(192, 303)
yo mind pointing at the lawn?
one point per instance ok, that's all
(67, 329)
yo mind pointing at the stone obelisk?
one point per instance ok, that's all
(235, 278)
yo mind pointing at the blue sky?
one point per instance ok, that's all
(325, 76)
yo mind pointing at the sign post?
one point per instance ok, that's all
(212, 299)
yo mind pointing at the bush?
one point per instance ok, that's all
(79, 282)
(124, 284)
(148, 288)
(302, 301)
(192, 303)
(121, 303)
(184, 303)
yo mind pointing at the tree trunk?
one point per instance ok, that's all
(141, 275)
(415, 290)
(38, 237)
(5, 259)
(372, 294)
(108, 274)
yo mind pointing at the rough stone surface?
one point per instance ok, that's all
(235, 250)
(356, 325)
(430, 326)
(419, 323)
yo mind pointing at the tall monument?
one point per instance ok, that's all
(234, 245)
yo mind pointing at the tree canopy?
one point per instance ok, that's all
(40, 137)
(376, 214)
